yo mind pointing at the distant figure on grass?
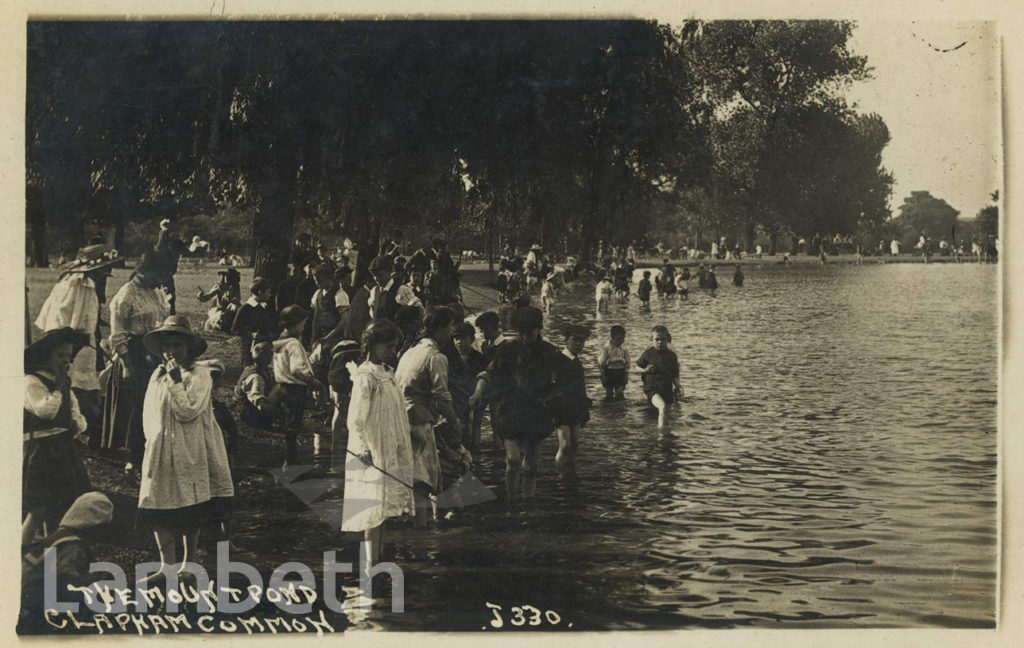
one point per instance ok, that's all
(613, 361)
(518, 384)
(571, 405)
(603, 293)
(227, 299)
(660, 373)
(378, 469)
(643, 290)
(178, 496)
(894, 247)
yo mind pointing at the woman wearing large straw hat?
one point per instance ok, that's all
(74, 302)
(186, 478)
(53, 468)
(138, 307)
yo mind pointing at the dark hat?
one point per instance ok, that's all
(258, 284)
(37, 352)
(576, 330)
(527, 317)
(149, 263)
(407, 314)
(261, 338)
(232, 275)
(174, 325)
(382, 262)
(92, 257)
(292, 315)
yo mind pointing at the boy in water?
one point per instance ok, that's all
(547, 293)
(644, 290)
(603, 293)
(737, 277)
(661, 372)
(613, 361)
(294, 373)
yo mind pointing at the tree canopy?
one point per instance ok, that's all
(565, 132)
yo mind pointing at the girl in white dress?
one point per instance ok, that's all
(186, 478)
(378, 471)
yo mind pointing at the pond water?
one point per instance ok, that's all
(833, 464)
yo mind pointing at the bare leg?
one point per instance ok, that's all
(531, 459)
(659, 404)
(513, 469)
(191, 543)
(564, 444)
(421, 498)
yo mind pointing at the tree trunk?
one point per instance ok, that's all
(773, 238)
(367, 233)
(749, 232)
(272, 228)
(35, 213)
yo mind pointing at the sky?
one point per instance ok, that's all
(941, 107)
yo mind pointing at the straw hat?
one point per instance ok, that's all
(174, 325)
(92, 257)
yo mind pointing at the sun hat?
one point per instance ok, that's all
(536, 247)
(37, 352)
(174, 325)
(293, 314)
(92, 257)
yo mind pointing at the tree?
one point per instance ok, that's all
(782, 132)
(987, 221)
(923, 214)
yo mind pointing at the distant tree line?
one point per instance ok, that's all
(563, 132)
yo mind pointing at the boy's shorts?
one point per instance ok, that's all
(613, 378)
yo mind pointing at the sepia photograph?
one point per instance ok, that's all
(502, 324)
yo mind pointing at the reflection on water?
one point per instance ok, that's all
(832, 465)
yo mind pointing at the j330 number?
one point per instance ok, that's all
(525, 615)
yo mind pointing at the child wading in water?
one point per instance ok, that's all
(571, 406)
(518, 384)
(643, 291)
(603, 293)
(661, 372)
(378, 471)
(547, 293)
(613, 361)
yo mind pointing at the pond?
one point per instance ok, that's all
(833, 464)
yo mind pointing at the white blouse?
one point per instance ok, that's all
(44, 403)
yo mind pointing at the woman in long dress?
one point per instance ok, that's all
(74, 302)
(186, 478)
(137, 308)
(378, 472)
